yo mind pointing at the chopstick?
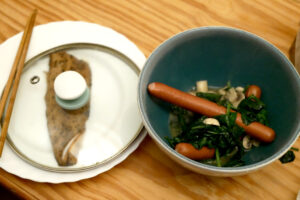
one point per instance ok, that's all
(14, 78)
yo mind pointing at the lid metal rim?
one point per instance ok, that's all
(69, 47)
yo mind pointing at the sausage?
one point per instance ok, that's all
(191, 152)
(257, 130)
(207, 108)
(253, 90)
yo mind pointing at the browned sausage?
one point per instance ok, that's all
(207, 108)
(253, 90)
(191, 152)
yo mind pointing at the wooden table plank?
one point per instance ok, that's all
(148, 173)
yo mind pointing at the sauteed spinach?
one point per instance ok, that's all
(228, 139)
(253, 109)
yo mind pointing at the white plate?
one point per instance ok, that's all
(114, 120)
(52, 35)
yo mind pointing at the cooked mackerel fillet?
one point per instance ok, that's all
(64, 126)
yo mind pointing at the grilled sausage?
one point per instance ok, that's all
(207, 108)
(253, 90)
(191, 152)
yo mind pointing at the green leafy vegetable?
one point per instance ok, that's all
(246, 88)
(209, 96)
(224, 138)
(218, 158)
(228, 86)
(294, 149)
(287, 157)
(214, 97)
(184, 117)
(253, 109)
(225, 160)
(225, 103)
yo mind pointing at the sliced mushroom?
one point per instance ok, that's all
(211, 121)
(222, 91)
(239, 89)
(231, 95)
(247, 144)
(201, 86)
(240, 97)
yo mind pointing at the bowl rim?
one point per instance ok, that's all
(195, 164)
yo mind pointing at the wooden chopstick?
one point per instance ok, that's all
(14, 78)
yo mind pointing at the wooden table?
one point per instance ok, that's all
(148, 173)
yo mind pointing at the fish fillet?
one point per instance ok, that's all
(64, 126)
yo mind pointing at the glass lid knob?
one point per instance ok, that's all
(71, 90)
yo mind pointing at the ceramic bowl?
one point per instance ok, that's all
(219, 55)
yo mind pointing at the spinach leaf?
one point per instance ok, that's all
(173, 141)
(209, 96)
(184, 117)
(216, 98)
(225, 103)
(228, 119)
(228, 86)
(287, 157)
(246, 88)
(218, 158)
(253, 109)
(252, 103)
(294, 149)
(230, 159)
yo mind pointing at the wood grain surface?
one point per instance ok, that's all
(148, 173)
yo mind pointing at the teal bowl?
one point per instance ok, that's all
(219, 55)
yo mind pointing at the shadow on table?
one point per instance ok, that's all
(7, 195)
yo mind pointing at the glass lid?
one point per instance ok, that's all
(82, 136)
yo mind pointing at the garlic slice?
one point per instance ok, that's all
(211, 121)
